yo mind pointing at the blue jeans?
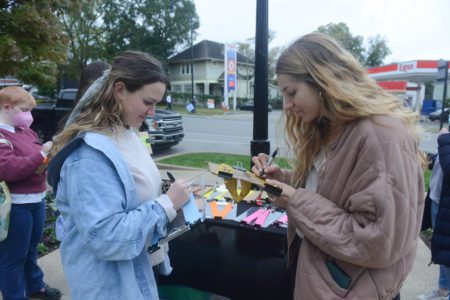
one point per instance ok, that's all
(444, 272)
(19, 272)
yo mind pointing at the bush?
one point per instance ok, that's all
(200, 100)
(49, 241)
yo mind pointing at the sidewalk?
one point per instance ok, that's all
(422, 278)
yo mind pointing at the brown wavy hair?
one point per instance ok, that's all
(89, 74)
(135, 69)
(346, 93)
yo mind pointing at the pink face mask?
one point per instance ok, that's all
(22, 119)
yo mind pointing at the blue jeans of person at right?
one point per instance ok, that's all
(444, 272)
(19, 272)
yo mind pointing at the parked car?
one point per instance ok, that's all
(165, 128)
(437, 115)
(250, 105)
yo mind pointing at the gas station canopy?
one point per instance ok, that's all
(418, 71)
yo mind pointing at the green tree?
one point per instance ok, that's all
(274, 54)
(82, 23)
(31, 40)
(341, 32)
(247, 48)
(429, 89)
(155, 26)
(373, 56)
(376, 52)
(103, 29)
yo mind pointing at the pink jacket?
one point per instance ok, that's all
(365, 216)
(19, 163)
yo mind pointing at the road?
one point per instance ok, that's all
(233, 132)
(229, 133)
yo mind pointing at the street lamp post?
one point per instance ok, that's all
(260, 144)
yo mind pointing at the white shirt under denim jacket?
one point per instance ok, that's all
(106, 226)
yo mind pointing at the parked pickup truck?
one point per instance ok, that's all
(165, 127)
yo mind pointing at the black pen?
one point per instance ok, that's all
(172, 179)
(271, 158)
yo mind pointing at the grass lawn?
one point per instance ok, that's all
(181, 109)
(200, 160)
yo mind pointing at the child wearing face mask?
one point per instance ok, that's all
(21, 159)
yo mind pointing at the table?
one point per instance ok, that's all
(231, 259)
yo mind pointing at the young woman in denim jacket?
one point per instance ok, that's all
(108, 188)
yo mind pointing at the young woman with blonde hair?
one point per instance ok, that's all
(355, 194)
(107, 186)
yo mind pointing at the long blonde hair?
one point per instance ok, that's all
(104, 111)
(346, 93)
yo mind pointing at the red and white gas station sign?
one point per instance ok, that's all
(415, 71)
(407, 66)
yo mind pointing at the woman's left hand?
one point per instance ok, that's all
(287, 192)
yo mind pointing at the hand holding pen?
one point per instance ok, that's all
(264, 166)
(269, 162)
(178, 191)
(171, 177)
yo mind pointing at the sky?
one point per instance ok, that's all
(414, 29)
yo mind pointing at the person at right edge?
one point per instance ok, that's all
(440, 210)
(355, 195)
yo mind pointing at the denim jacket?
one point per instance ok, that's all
(105, 229)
